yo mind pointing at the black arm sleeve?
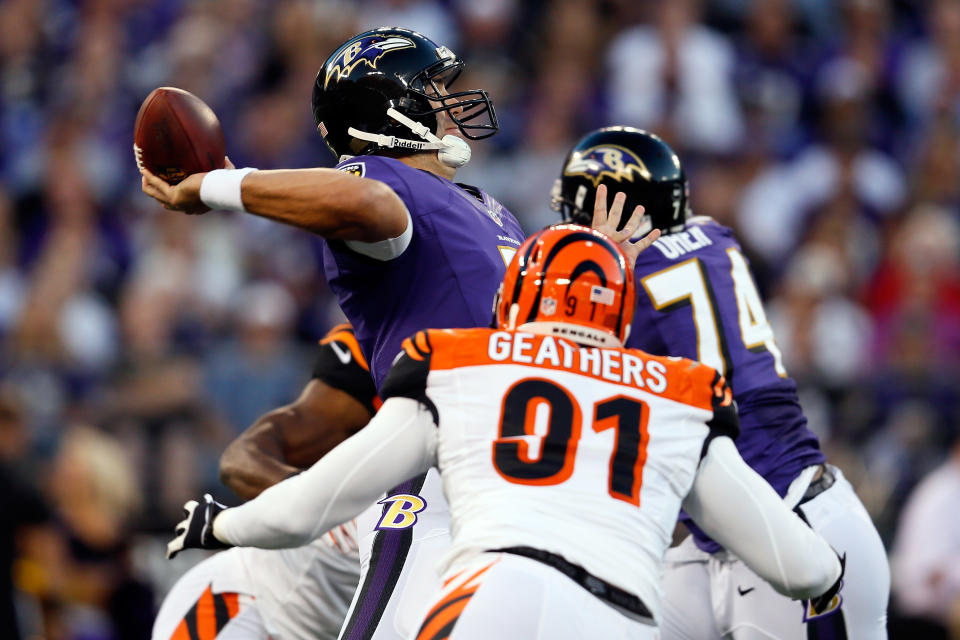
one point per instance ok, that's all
(725, 420)
(337, 365)
(408, 374)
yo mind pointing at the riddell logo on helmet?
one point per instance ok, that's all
(367, 49)
(612, 161)
(407, 144)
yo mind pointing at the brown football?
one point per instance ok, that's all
(176, 134)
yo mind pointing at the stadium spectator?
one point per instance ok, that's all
(929, 78)
(262, 368)
(926, 555)
(770, 77)
(842, 162)
(822, 333)
(686, 71)
(27, 530)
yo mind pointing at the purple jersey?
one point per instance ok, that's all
(697, 299)
(446, 278)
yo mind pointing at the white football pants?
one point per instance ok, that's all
(717, 597)
(510, 597)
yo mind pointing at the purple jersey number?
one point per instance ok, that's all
(687, 284)
(697, 299)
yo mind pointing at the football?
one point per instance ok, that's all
(176, 134)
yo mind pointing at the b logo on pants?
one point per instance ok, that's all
(402, 512)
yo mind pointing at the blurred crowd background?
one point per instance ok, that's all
(135, 342)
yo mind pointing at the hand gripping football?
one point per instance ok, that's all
(176, 134)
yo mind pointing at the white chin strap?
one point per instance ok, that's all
(452, 150)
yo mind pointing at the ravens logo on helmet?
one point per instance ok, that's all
(633, 161)
(398, 69)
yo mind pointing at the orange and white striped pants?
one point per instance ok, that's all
(193, 610)
(510, 597)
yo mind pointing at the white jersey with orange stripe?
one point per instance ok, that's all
(586, 453)
(304, 593)
(286, 594)
(578, 452)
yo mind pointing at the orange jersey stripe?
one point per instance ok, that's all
(441, 619)
(411, 350)
(233, 603)
(344, 333)
(182, 633)
(452, 578)
(677, 379)
(421, 342)
(334, 539)
(206, 621)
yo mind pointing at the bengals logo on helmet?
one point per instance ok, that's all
(368, 49)
(613, 161)
(571, 281)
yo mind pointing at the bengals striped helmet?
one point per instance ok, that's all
(569, 281)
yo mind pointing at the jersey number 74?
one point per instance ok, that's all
(687, 283)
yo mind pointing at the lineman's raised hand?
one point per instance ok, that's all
(195, 531)
(607, 222)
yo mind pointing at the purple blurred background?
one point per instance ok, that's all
(135, 343)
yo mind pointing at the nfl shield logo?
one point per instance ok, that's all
(548, 306)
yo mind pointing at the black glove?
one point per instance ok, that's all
(821, 603)
(195, 531)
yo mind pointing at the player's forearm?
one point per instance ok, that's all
(254, 461)
(329, 203)
(397, 444)
(742, 512)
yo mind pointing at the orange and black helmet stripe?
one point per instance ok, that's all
(522, 261)
(563, 263)
(584, 266)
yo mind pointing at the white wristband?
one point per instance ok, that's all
(220, 189)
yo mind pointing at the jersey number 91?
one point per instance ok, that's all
(536, 402)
